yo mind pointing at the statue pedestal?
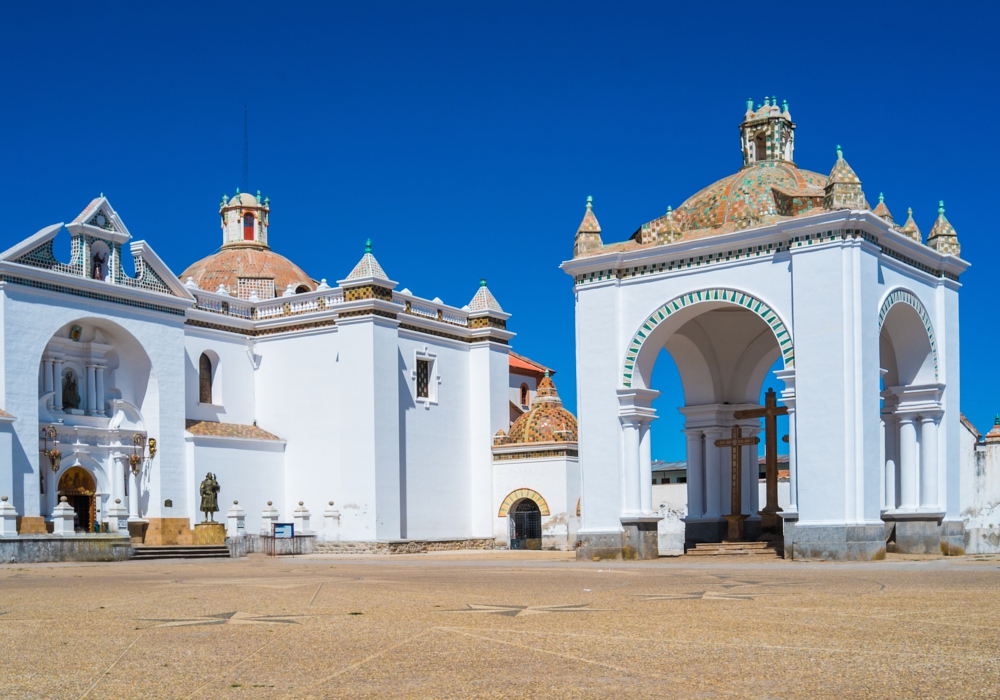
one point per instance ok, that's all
(209, 533)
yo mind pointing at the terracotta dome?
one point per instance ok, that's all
(233, 262)
(547, 421)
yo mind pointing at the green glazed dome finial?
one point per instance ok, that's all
(590, 202)
(840, 153)
(547, 375)
(237, 191)
(941, 207)
(767, 101)
(909, 212)
(482, 282)
(368, 247)
(784, 105)
(881, 198)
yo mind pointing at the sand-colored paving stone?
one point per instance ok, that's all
(501, 625)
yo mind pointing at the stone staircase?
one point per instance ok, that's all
(204, 551)
(757, 550)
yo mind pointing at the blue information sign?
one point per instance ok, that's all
(284, 531)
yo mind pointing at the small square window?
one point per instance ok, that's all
(423, 379)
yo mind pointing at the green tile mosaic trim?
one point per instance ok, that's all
(903, 296)
(749, 252)
(93, 295)
(732, 296)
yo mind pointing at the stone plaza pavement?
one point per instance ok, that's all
(501, 625)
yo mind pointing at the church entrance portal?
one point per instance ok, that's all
(525, 520)
(78, 486)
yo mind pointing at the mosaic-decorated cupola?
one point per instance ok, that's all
(244, 219)
(767, 133)
(942, 236)
(843, 187)
(484, 310)
(367, 280)
(910, 228)
(588, 235)
(881, 210)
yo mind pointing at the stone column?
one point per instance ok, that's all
(695, 475)
(57, 378)
(91, 389)
(331, 523)
(713, 474)
(645, 468)
(133, 495)
(99, 408)
(793, 501)
(891, 460)
(751, 474)
(907, 463)
(633, 498)
(47, 376)
(928, 463)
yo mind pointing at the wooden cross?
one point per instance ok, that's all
(736, 517)
(770, 413)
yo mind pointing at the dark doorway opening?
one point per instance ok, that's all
(525, 525)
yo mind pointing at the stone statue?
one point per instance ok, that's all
(97, 266)
(71, 396)
(210, 496)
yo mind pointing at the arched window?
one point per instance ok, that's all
(301, 289)
(248, 227)
(205, 379)
(525, 396)
(760, 146)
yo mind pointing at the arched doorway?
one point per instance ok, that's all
(525, 523)
(724, 343)
(78, 486)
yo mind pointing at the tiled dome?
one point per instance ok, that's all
(547, 421)
(233, 262)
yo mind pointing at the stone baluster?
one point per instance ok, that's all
(695, 474)
(907, 462)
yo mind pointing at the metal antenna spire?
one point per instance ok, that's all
(246, 151)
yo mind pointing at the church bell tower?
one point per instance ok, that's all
(767, 133)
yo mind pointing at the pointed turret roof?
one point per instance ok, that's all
(368, 266)
(589, 223)
(910, 228)
(484, 299)
(942, 236)
(881, 209)
(842, 173)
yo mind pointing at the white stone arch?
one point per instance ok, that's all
(637, 353)
(82, 459)
(902, 295)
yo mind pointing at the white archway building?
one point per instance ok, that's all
(775, 263)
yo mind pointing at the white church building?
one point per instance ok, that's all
(774, 263)
(359, 410)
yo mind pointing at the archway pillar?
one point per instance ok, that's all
(640, 539)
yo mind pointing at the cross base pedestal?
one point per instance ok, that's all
(735, 533)
(770, 521)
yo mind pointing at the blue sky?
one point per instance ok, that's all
(464, 138)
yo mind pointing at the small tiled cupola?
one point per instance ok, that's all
(244, 219)
(881, 210)
(843, 188)
(367, 280)
(588, 236)
(910, 228)
(485, 311)
(767, 133)
(942, 237)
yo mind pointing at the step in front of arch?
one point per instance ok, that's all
(180, 552)
(766, 550)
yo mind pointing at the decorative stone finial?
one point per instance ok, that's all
(62, 499)
(996, 421)
(237, 191)
(258, 196)
(118, 501)
(767, 101)
(670, 212)
(267, 201)
(590, 202)
(881, 198)
(331, 503)
(482, 282)
(236, 503)
(301, 503)
(784, 105)
(368, 247)
(840, 153)
(268, 503)
(4, 498)
(909, 212)
(941, 206)
(546, 373)
(750, 104)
